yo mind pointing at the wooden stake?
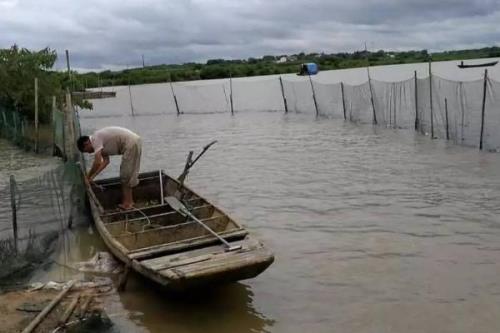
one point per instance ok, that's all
(314, 95)
(446, 118)
(417, 124)
(36, 116)
(14, 208)
(483, 109)
(343, 98)
(283, 95)
(122, 281)
(231, 92)
(430, 96)
(370, 86)
(173, 94)
(69, 311)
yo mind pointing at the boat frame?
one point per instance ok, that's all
(174, 251)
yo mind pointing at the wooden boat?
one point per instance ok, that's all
(462, 65)
(167, 247)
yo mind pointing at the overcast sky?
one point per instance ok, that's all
(112, 34)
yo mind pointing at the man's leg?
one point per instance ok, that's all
(129, 172)
(128, 198)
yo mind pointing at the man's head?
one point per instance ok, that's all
(84, 144)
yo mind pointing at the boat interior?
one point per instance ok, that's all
(153, 223)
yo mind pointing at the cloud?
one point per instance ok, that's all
(103, 34)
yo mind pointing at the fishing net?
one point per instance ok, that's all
(151, 99)
(299, 96)
(394, 103)
(43, 207)
(202, 98)
(358, 103)
(257, 95)
(455, 113)
(491, 135)
(329, 100)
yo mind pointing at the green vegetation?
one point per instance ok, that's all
(269, 64)
(18, 69)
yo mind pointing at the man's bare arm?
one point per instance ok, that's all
(103, 165)
(98, 160)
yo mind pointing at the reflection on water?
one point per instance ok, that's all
(225, 309)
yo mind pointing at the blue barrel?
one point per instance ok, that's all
(309, 68)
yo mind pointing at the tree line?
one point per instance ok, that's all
(18, 69)
(269, 64)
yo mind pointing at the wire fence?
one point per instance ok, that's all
(35, 211)
(466, 113)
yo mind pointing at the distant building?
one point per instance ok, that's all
(282, 60)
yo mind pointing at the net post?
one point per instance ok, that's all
(129, 94)
(483, 108)
(70, 120)
(417, 125)
(173, 95)
(343, 98)
(430, 97)
(12, 183)
(446, 118)
(37, 134)
(53, 125)
(370, 86)
(313, 95)
(231, 91)
(283, 95)
(394, 101)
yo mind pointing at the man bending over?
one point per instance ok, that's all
(115, 141)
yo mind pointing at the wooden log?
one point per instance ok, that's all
(14, 208)
(122, 281)
(85, 306)
(69, 310)
(38, 319)
(37, 133)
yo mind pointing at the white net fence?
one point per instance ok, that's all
(466, 113)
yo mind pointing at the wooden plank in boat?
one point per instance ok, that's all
(221, 263)
(185, 245)
(169, 234)
(163, 262)
(124, 227)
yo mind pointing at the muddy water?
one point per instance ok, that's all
(374, 230)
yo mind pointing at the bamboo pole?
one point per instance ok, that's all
(38, 319)
(130, 98)
(483, 108)
(231, 92)
(430, 97)
(343, 99)
(394, 101)
(71, 126)
(446, 118)
(283, 95)
(69, 71)
(417, 124)
(173, 94)
(54, 109)
(14, 208)
(314, 96)
(69, 311)
(370, 86)
(37, 133)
